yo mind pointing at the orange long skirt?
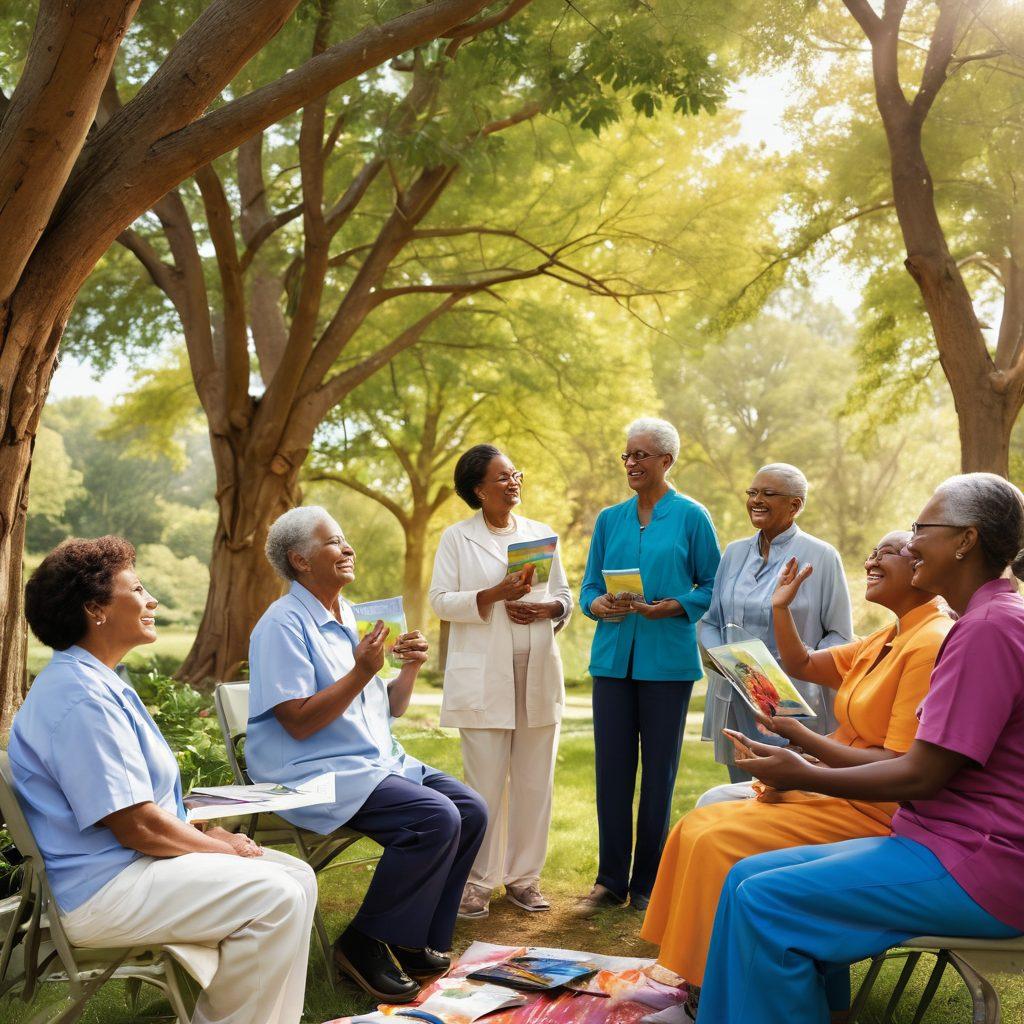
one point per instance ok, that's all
(707, 842)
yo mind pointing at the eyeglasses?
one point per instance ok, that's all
(879, 553)
(510, 478)
(640, 456)
(767, 492)
(916, 528)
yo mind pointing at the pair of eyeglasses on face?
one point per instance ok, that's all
(879, 553)
(766, 492)
(640, 456)
(916, 528)
(510, 478)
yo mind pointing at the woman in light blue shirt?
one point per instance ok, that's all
(643, 659)
(101, 792)
(741, 607)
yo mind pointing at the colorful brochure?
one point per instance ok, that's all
(538, 553)
(535, 973)
(758, 678)
(391, 610)
(623, 581)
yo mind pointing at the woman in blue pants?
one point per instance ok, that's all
(954, 864)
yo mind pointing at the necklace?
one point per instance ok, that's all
(511, 528)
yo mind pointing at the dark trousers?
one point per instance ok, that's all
(430, 834)
(632, 714)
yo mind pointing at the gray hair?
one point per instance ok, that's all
(662, 431)
(796, 482)
(995, 508)
(293, 531)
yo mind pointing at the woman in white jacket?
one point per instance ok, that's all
(503, 686)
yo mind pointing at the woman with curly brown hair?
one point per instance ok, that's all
(101, 791)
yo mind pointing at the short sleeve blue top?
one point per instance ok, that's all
(297, 649)
(82, 746)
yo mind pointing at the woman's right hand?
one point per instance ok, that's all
(790, 580)
(606, 607)
(370, 651)
(511, 588)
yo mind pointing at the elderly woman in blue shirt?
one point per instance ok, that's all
(741, 608)
(643, 659)
(317, 705)
(101, 792)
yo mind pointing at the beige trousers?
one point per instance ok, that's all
(513, 770)
(256, 911)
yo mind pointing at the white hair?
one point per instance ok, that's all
(995, 507)
(796, 482)
(666, 436)
(293, 531)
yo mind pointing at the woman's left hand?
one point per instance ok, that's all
(666, 608)
(525, 612)
(238, 841)
(412, 647)
(778, 767)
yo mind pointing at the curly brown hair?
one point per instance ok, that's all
(67, 579)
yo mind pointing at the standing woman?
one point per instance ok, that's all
(954, 864)
(643, 659)
(743, 597)
(503, 686)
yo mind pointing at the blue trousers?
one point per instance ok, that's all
(786, 918)
(631, 716)
(430, 834)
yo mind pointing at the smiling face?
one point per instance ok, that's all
(331, 562)
(501, 488)
(646, 465)
(129, 618)
(934, 546)
(771, 509)
(889, 570)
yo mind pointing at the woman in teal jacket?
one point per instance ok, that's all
(644, 658)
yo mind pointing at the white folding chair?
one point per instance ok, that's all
(319, 852)
(972, 959)
(37, 951)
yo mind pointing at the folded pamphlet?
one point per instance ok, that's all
(538, 553)
(392, 611)
(206, 803)
(758, 678)
(623, 581)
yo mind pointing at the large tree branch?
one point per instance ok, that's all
(940, 51)
(866, 17)
(360, 488)
(470, 30)
(161, 274)
(48, 117)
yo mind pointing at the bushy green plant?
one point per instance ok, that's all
(189, 724)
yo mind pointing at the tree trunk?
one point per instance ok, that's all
(414, 585)
(986, 422)
(242, 583)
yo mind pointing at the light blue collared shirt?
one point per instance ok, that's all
(297, 649)
(742, 597)
(83, 746)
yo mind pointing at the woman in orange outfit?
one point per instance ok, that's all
(880, 682)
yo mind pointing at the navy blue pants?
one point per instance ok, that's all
(631, 717)
(430, 834)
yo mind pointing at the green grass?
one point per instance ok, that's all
(570, 869)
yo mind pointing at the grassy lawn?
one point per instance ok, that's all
(570, 870)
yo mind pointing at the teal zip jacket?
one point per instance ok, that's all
(678, 556)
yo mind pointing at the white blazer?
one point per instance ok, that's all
(479, 692)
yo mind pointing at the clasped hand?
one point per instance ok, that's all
(611, 606)
(525, 612)
(411, 647)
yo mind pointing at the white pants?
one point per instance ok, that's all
(257, 911)
(513, 770)
(726, 792)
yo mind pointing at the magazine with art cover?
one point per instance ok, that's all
(538, 553)
(451, 1001)
(758, 678)
(535, 973)
(392, 612)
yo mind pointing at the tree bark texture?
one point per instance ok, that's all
(988, 391)
(65, 198)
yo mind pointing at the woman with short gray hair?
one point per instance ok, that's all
(741, 608)
(643, 658)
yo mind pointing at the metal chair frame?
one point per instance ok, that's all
(35, 949)
(970, 958)
(231, 701)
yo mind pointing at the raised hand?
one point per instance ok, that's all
(369, 652)
(790, 580)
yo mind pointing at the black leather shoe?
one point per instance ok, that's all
(422, 963)
(373, 967)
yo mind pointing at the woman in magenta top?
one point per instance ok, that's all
(954, 864)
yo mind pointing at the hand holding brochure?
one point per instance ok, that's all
(758, 679)
(207, 803)
(623, 581)
(392, 612)
(538, 553)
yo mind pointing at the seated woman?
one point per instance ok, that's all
(101, 792)
(954, 863)
(316, 705)
(879, 681)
